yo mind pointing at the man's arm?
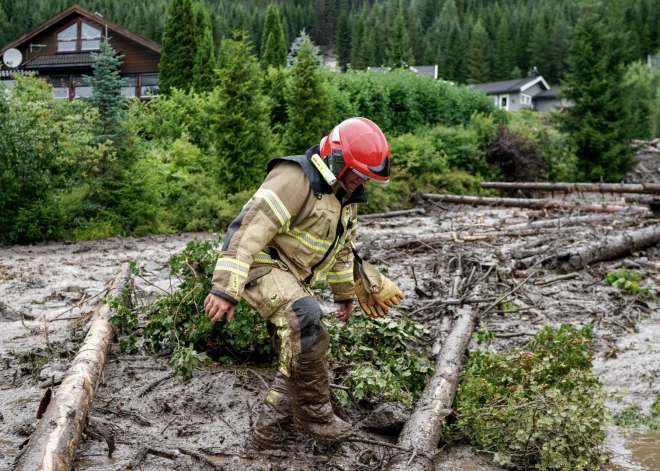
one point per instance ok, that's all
(278, 200)
(340, 276)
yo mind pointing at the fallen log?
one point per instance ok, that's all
(430, 239)
(607, 249)
(529, 203)
(560, 222)
(52, 446)
(423, 429)
(392, 214)
(648, 188)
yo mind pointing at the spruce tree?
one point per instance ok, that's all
(307, 102)
(273, 44)
(179, 49)
(298, 44)
(598, 122)
(203, 75)
(343, 40)
(503, 48)
(399, 53)
(239, 109)
(478, 67)
(106, 85)
(357, 38)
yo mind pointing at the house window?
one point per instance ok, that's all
(83, 88)
(79, 36)
(128, 85)
(60, 85)
(90, 38)
(148, 85)
(67, 40)
(503, 102)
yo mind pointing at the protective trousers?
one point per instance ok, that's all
(301, 341)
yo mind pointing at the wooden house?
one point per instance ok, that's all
(60, 48)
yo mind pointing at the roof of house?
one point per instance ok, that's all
(59, 60)
(431, 70)
(510, 86)
(91, 16)
(551, 94)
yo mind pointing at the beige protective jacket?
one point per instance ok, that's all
(295, 221)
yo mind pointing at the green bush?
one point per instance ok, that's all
(632, 416)
(539, 408)
(628, 281)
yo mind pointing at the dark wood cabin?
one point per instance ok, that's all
(60, 50)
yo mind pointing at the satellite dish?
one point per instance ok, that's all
(12, 58)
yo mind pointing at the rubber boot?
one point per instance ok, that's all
(274, 428)
(309, 389)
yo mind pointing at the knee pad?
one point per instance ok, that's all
(308, 313)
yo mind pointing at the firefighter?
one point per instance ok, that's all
(298, 229)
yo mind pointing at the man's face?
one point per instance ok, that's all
(352, 180)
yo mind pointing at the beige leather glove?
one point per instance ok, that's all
(388, 295)
(367, 301)
(376, 293)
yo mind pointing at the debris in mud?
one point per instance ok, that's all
(389, 417)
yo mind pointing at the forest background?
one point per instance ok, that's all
(243, 81)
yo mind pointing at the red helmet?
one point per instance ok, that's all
(357, 143)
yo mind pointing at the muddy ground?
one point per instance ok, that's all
(55, 287)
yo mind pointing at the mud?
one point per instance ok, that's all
(214, 412)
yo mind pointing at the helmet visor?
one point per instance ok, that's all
(369, 179)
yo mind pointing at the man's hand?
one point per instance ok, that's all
(345, 310)
(216, 307)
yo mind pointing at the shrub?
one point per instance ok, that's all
(540, 408)
(628, 281)
(516, 157)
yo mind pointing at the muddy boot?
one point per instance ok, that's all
(310, 396)
(274, 428)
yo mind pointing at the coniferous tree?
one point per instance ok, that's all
(399, 53)
(240, 118)
(298, 44)
(357, 37)
(307, 102)
(273, 44)
(203, 76)
(179, 49)
(343, 40)
(598, 122)
(106, 85)
(503, 47)
(478, 67)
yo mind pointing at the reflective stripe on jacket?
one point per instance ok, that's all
(297, 219)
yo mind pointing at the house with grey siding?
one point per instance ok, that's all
(529, 93)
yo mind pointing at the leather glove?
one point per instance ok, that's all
(388, 295)
(367, 301)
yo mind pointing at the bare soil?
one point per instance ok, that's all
(55, 287)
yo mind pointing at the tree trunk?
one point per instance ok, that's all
(648, 188)
(424, 427)
(52, 446)
(608, 249)
(560, 222)
(391, 214)
(529, 203)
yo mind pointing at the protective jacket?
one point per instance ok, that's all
(297, 222)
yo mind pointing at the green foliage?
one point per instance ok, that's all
(179, 48)
(384, 364)
(185, 361)
(628, 281)
(539, 408)
(124, 319)
(599, 123)
(273, 45)
(399, 53)
(203, 76)
(178, 318)
(45, 149)
(106, 83)
(307, 103)
(632, 416)
(478, 67)
(240, 116)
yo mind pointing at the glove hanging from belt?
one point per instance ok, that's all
(375, 292)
